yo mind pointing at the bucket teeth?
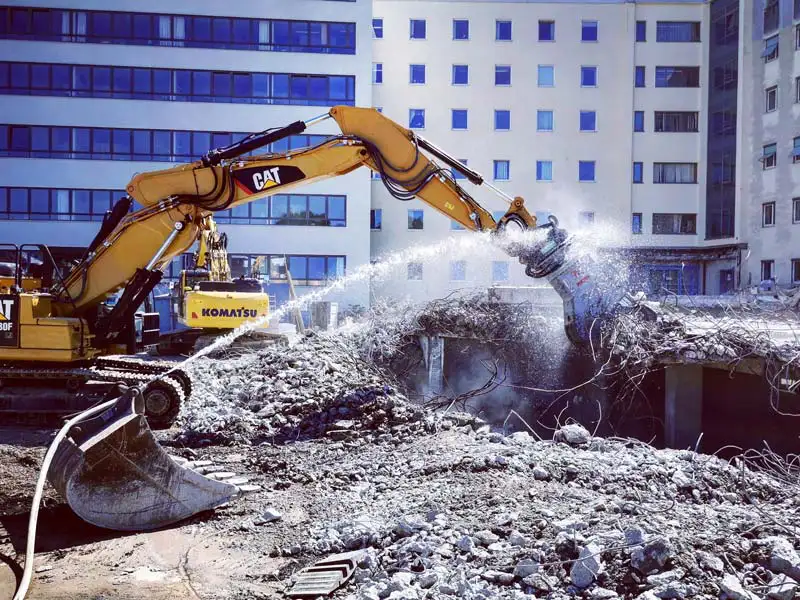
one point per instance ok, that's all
(113, 473)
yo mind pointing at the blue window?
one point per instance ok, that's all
(460, 29)
(416, 118)
(460, 74)
(638, 120)
(499, 270)
(546, 76)
(502, 31)
(179, 84)
(459, 119)
(417, 29)
(636, 223)
(641, 31)
(456, 174)
(502, 120)
(547, 31)
(502, 170)
(588, 76)
(638, 175)
(416, 219)
(376, 218)
(544, 120)
(502, 75)
(640, 77)
(417, 74)
(544, 170)
(377, 72)
(588, 120)
(586, 170)
(377, 29)
(102, 27)
(588, 31)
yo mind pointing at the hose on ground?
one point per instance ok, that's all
(25, 582)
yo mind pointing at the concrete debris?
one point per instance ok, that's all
(271, 515)
(652, 556)
(587, 567)
(782, 587)
(734, 590)
(573, 434)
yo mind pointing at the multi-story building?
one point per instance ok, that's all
(769, 128)
(595, 112)
(93, 92)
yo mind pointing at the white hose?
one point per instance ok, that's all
(37, 497)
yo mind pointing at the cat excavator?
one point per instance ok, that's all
(56, 335)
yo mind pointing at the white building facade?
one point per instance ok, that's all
(770, 131)
(596, 112)
(92, 93)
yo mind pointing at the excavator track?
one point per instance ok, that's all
(43, 396)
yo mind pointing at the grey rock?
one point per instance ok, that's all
(634, 536)
(682, 480)
(541, 582)
(733, 589)
(655, 553)
(587, 567)
(498, 577)
(600, 593)
(526, 567)
(783, 557)
(666, 577)
(541, 474)
(709, 562)
(271, 515)
(676, 590)
(427, 579)
(515, 538)
(465, 544)
(486, 537)
(782, 587)
(521, 437)
(572, 434)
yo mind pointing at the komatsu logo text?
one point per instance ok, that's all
(230, 312)
(266, 178)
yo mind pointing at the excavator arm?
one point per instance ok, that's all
(178, 201)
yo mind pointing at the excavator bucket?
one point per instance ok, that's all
(113, 473)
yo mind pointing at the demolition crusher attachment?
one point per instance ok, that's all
(114, 474)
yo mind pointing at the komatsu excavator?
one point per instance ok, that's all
(207, 301)
(55, 334)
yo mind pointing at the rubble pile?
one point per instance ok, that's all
(316, 387)
(652, 332)
(462, 514)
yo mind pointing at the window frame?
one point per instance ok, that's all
(633, 223)
(638, 121)
(552, 69)
(416, 215)
(769, 160)
(411, 118)
(540, 164)
(542, 111)
(497, 163)
(411, 68)
(660, 173)
(685, 220)
(377, 28)
(767, 265)
(690, 72)
(768, 214)
(377, 73)
(459, 111)
(796, 210)
(637, 82)
(795, 263)
(586, 163)
(640, 166)
(584, 23)
(498, 23)
(771, 91)
(595, 71)
(773, 54)
(411, 23)
(498, 69)
(640, 27)
(497, 113)
(593, 114)
(376, 219)
(552, 30)
(455, 30)
(453, 74)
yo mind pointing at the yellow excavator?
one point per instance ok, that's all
(55, 334)
(207, 301)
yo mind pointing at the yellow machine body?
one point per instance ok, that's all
(222, 310)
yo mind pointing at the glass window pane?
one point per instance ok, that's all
(40, 77)
(122, 25)
(183, 143)
(122, 79)
(242, 85)
(183, 83)
(242, 32)
(338, 88)
(280, 86)
(299, 33)
(297, 267)
(162, 81)
(201, 29)
(260, 85)
(21, 138)
(161, 143)
(59, 139)
(40, 139)
(336, 207)
(122, 141)
(318, 87)
(258, 209)
(100, 24)
(297, 207)
(4, 72)
(280, 33)
(201, 83)
(18, 201)
(316, 267)
(40, 201)
(222, 85)
(81, 140)
(299, 86)
(218, 140)
(81, 202)
(101, 201)
(278, 206)
(82, 78)
(101, 141)
(142, 27)
(335, 266)
(201, 143)
(222, 30)
(317, 209)
(61, 77)
(101, 79)
(20, 77)
(141, 142)
(142, 81)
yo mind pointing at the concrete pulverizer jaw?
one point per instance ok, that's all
(113, 473)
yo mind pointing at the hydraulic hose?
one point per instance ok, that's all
(25, 582)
